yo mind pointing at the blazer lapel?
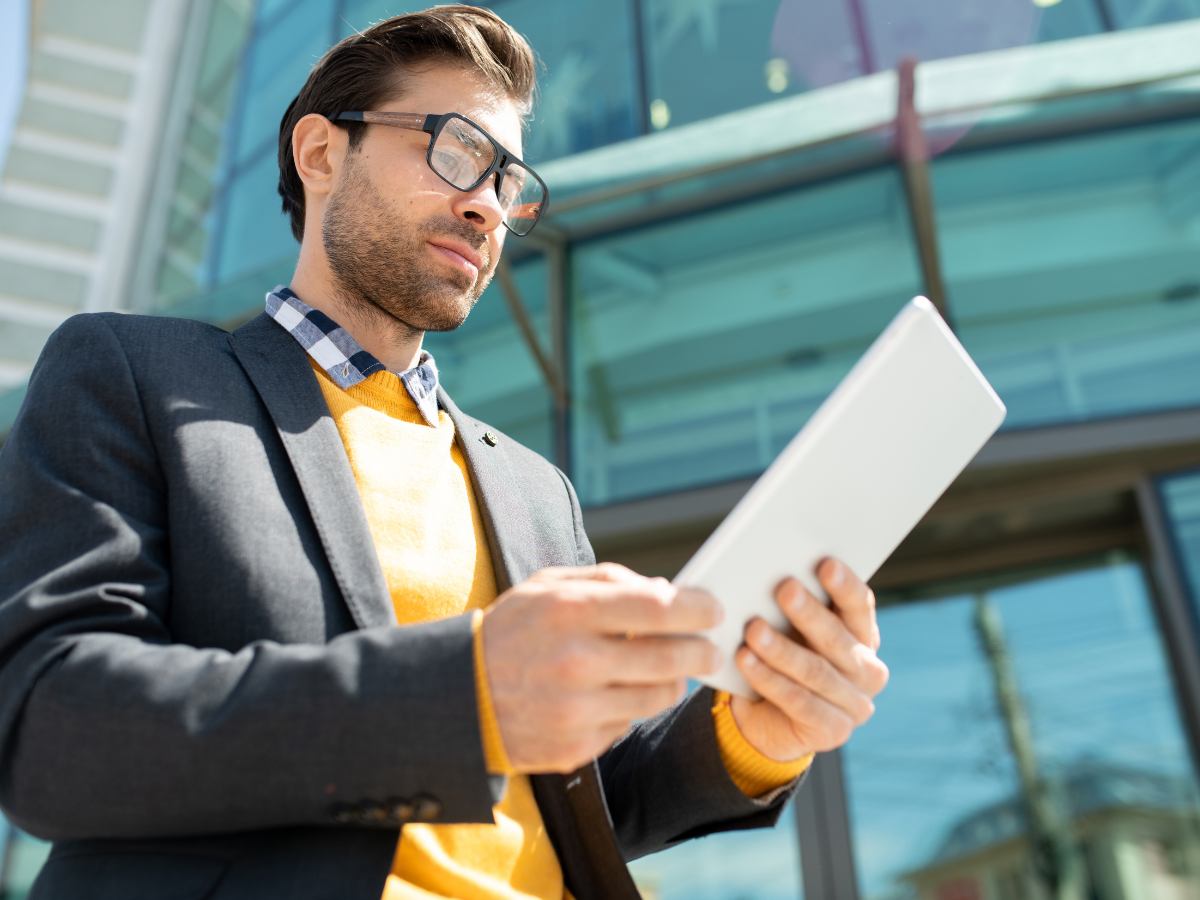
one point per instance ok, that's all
(504, 511)
(279, 369)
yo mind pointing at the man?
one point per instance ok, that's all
(278, 620)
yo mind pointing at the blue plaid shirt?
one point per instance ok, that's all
(342, 358)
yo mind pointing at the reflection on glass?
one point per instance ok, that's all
(181, 270)
(1073, 271)
(1029, 733)
(735, 865)
(255, 232)
(1136, 13)
(279, 61)
(762, 48)
(1181, 501)
(489, 370)
(702, 345)
(937, 29)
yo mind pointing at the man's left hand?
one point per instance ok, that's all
(818, 685)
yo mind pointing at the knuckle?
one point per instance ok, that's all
(613, 571)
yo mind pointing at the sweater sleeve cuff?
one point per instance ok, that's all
(753, 772)
(493, 747)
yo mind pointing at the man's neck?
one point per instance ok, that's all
(393, 343)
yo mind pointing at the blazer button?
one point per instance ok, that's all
(402, 809)
(426, 808)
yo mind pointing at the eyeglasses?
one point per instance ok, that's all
(464, 156)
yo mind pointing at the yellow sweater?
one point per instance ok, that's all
(416, 492)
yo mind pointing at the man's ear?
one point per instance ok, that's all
(318, 147)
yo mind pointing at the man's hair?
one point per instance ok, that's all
(368, 68)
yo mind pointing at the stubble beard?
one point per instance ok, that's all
(381, 265)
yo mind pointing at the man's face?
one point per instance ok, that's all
(400, 238)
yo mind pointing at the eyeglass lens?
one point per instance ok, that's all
(462, 153)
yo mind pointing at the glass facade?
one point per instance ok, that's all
(1073, 662)
(1073, 270)
(762, 865)
(702, 344)
(704, 314)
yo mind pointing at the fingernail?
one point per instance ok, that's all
(750, 660)
(835, 574)
(799, 596)
(762, 635)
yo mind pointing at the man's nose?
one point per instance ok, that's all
(481, 207)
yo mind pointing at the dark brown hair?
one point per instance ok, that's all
(367, 68)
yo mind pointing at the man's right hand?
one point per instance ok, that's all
(575, 655)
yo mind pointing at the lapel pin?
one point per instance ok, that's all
(489, 438)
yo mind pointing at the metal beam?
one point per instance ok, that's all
(550, 371)
(823, 826)
(1176, 623)
(914, 169)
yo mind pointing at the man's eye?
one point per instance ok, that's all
(454, 165)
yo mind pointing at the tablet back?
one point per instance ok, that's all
(855, 480)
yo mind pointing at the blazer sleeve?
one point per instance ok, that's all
(108, 728)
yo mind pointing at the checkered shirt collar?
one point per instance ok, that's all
(342, 358)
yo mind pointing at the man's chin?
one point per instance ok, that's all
(445, 316)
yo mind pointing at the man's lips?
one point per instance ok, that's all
(458, 253)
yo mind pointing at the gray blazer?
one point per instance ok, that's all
(203, 692)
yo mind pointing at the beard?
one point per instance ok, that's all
(381, 263)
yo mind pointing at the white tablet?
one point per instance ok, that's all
(855, 480)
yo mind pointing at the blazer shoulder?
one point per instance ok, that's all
(94, 337)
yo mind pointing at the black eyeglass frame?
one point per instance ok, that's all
(432, 124)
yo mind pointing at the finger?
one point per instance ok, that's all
(819, 724)
(622, 704)
(853, 598)
(651, 606)
(804, 667)
(828, 635)
(605, 571)
(645, 660)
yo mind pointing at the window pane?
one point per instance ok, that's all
(1073, 271)
(701, 345)
(1136, 13)
(936, 29)
(762, 49)
(279, 62)
(938, 806)
(735, 865)
(254, 231)
(490, 372)
(1181, 500)
(588, 94)
(182, 268)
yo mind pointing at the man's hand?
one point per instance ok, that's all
(816, 686)
(574, 656)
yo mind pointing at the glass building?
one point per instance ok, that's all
(744, 192)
